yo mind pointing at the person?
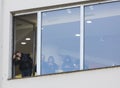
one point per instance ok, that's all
(52, 66)
(25, 63)
(67, 64)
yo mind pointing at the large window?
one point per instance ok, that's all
(68, 39)
(60, 41)
(102, 35)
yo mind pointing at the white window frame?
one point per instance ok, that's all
(82, 23)
(39, 29)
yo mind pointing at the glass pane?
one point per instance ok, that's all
(60, 41)
(102, 35)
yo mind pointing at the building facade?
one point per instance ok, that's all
(101, 78)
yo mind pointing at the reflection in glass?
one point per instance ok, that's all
(102, 35)
(60, 41)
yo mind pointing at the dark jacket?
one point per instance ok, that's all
(24, 63)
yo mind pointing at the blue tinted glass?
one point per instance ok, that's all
(102, 35)
(60, 41)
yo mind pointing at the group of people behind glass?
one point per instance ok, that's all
(49, 66)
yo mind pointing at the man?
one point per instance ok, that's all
(25, 63)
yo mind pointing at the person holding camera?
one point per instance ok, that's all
(25, 63)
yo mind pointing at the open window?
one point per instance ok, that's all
(25, 27)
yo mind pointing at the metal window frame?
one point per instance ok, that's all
(82, 38)
(82, 30)
(39, 32)
(39, 36)
(82, 24)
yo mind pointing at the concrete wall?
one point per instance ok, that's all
(104, 78)
(0, 42)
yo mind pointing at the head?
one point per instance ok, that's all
(18, 54)
(28, 54)
(51, 59)
(67, 59)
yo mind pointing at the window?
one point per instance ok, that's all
(60, 41)
(102, 35)
(69, 39)
(25, 42)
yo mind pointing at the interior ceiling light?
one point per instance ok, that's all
(89, 21)
(28, 39)
(77, 35)
(23, 43)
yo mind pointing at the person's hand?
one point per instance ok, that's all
(18, 58)
(14, 56)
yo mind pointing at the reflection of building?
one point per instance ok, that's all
(101, 41)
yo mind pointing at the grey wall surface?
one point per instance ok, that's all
(102, 78)
(0, 42)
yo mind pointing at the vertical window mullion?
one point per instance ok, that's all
(38, 59)
(14, 45)
(81, 37)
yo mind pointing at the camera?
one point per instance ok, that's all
(17, 56)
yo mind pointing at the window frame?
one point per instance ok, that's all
(104, 2)
(39, 25)
(39, 21)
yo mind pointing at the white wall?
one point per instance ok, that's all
(0, 42)
(105, 78)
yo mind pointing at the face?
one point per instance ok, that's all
(18, 54)
(51, 60)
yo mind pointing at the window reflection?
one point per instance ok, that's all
(60, 45)
(102, 35)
